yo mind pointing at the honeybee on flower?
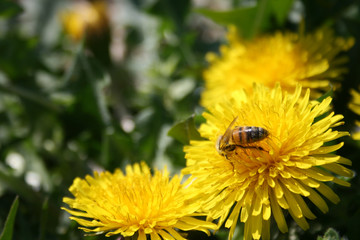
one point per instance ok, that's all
(253, 185)
(240, 136)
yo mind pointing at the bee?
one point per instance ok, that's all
(239, 136)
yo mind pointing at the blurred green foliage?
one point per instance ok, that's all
(330, 234)
(68, 108)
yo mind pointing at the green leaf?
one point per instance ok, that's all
(99, 79)
(251, 20)
(185, 131)
(115, 146)
(330, 234)
(322, 98)
(7, 233)
(280, 8)
(242, 18)
(327, 94)
(9, 9)
(174, 10)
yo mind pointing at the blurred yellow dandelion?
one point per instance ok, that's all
(84, 18)
(354, 105)
(267, 177)
(288, 58)
(136, 204)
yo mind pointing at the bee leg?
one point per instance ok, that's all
(248, 146)
(233, 167)
(229, 148)
(261, 149)
(257, 147)
(227, 158)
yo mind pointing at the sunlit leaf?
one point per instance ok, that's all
(185, 131)
(280, 8)
(251, 20)
(243, 18)
(7, 232)
(330, 234)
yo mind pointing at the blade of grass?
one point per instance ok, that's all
(44, 218)
(98, 80)
(7, 233)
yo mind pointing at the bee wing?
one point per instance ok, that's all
(227, 135)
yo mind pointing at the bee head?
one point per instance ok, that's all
(217, 145)
(224, 148)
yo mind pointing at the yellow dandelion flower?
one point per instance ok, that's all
(258, 180)
(354, 105)
(135, 204)
(288, 58)
(84, 18)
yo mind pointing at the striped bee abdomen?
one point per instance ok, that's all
(243, 135)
